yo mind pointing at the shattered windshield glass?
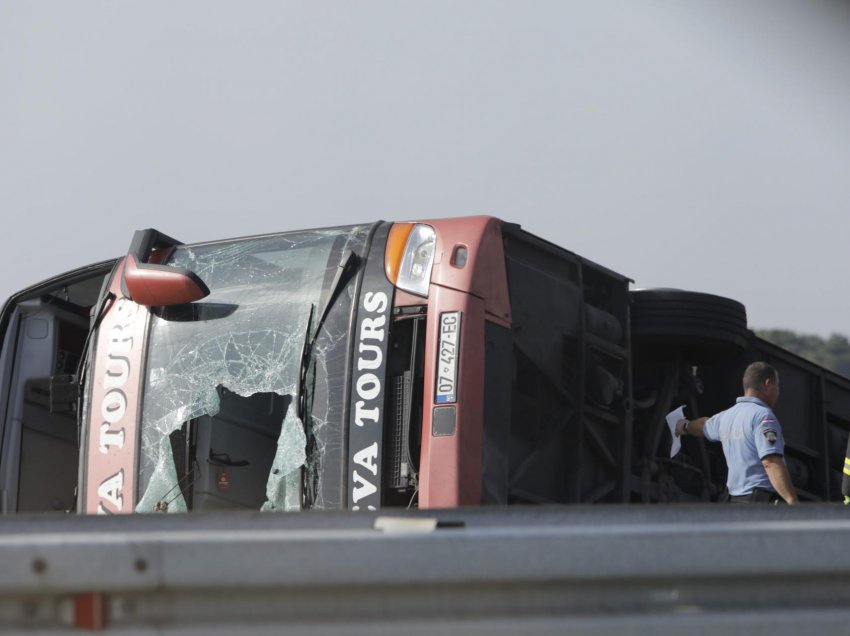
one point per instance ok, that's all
(220, 423)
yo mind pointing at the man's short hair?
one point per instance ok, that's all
(757, 374)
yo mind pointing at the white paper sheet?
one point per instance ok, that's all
(672, 418)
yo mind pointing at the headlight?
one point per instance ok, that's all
(410, 256)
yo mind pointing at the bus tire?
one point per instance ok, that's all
(698, 327)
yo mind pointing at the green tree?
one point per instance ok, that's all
(832, 352)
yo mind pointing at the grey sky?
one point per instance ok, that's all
(704, 146)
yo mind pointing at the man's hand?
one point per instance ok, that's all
(690, 427)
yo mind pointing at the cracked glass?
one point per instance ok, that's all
(220, 418)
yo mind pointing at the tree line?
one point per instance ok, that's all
(832, 352)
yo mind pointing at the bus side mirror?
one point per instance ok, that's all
(157, 285)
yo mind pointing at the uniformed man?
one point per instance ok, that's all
(752, 440)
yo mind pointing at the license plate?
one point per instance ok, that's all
(447, 358)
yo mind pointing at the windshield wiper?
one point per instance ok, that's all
(74, 385)
(304, 365)
(346, 265)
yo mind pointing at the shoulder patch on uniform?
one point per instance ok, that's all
(769, 435)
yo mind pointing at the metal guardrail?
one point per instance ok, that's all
(617, 569)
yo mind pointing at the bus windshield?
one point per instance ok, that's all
(220, 423)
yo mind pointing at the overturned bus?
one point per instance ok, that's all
(425, 364)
